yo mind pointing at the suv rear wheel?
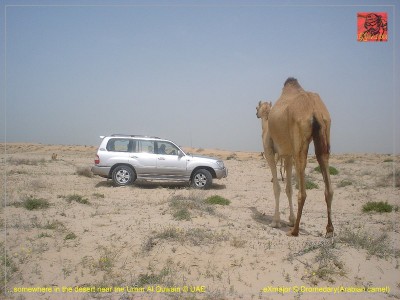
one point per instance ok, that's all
(202, 179)
(123, 175)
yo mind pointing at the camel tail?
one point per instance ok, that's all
(321, 133)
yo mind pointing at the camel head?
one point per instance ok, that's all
(263, 109)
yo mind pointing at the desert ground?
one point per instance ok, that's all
(69, 235)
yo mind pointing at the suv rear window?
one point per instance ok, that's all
(121, 145)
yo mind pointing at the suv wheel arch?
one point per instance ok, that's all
(201, 178)
(123, 174)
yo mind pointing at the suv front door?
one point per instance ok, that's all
(169, 162)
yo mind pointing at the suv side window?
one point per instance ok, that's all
(166, 148)
(121, 145)
(145, 146)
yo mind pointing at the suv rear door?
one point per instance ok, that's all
(143, 158)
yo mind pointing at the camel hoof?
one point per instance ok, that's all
(329, 235)
(292, 233)
(291, 222)
(275, 224)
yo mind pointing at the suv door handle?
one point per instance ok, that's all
(161, 158)
(133, 156)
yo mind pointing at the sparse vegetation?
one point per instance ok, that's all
(7, 267)
(344, 183)
(98, 195)
(33, 203)
(26, 161)
(217, 200)
(311, 185)
(182, 214)
(152, 278)
(193, 236)
(165, 276)
(84, 171)
(53, 225)
(107, 259)
(332, 170)
(70, 236)
(182, 205)
(324, 265)
(375, 245)
(238, 243)
(43, 235)
(171, 235)
(377, 207)
(76, 198)
(232, 156)
(390, 180)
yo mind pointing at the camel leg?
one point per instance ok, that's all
(289, 188)
(276, 221)
(300, 162)
(323, 160)
(282, 170)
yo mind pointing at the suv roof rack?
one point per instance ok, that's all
(135, 135)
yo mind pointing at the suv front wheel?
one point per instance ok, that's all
(123, 175)
(202, 179)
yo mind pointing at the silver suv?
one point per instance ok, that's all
(125, 158)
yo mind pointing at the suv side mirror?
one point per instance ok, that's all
(180, 154)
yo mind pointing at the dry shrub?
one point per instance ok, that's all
(84, 171)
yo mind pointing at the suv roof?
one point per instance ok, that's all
(134, 135)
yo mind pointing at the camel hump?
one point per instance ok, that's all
(291, 81)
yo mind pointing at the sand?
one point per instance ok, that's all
(97, 241)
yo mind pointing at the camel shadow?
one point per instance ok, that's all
(264, 219)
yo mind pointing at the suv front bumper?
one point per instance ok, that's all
(221, 173)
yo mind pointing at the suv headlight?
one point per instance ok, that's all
(220, 164)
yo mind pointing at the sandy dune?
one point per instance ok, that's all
(163, 241)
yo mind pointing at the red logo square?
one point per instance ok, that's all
(372, 27)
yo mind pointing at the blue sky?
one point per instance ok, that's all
(193, 71)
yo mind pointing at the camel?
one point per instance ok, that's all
(297, 118)
(263, 111)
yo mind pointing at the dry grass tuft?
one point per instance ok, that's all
(84, 171)
(26, 161)
(32, 203)
(193, 236)
(361, 239)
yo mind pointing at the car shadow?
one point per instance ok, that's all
(107, 183)
(149, 185)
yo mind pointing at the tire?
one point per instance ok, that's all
(123, 175)
(202, 179)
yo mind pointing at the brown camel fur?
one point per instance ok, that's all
(263, 111)
(297, 118)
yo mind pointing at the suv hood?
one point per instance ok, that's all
(202, 157)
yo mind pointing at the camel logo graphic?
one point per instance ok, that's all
(372, 27)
